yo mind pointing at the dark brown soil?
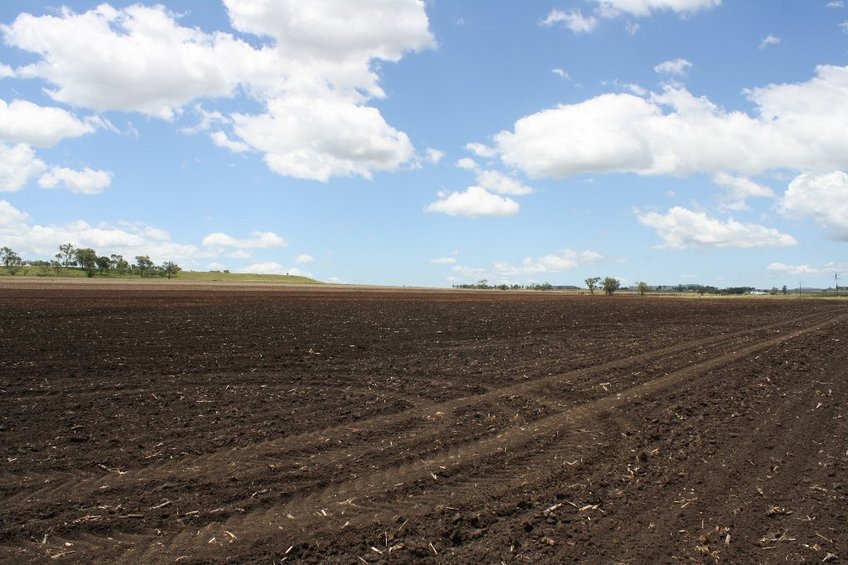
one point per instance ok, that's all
(179, 424)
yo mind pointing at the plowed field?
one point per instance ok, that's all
(180, 424)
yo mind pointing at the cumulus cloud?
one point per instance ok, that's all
(770, 40)
(822, 198)
(316, 139)
(563, 260)
(573, 20)
(22, 121)
(530, 268)
(443, 261)
(137, 59)
(500, 183)
(641, 8)
(86, 181)
(796, 126)
(673, 67)
(221, 139)
(304, 258)
(562, 73)
(835, 4)
(18, 164)
(258, 240)
(434, 156)
(827, 268)
(737, 190)
(467, 164)
(494, 181)
(314, 75)
(474, 202)
(125, 238)
(334, 29)
(681, 228)
(481, 150)
(272, 268)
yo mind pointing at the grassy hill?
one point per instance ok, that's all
(185, 276)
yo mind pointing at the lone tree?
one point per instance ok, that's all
(67, 255)
(611, 285)
(118, 263)
(103, 264)
(143, 264)
(592, 284)
(87, 259)
(642, 287)
(171, 269)
(10, 260)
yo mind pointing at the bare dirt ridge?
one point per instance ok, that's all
(189, 425)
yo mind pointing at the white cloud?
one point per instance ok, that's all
(138, 58)
(22, 121)
(573, 20)
(563, 260)
(128, 239)
(738, 189)
(673, 67)
(304, 258)
(481, 150)
(258, 240)
(6, 71)
(796, 126)
(494, 181)
(239, 254)
(221, 139)
(827, 268)
(682, 229)
(435, 156)
(317, 138)
(11, 219)
(272, 268)
(443, 261)
(561, 73)
(835, 4)
(770, 40)
(86, 181)
(18, 164)
(640, 8)
(207, 120)
(468, 164)
(823, 198)
(844, 26)
(314, 78)
(474, 202)
(335, 29)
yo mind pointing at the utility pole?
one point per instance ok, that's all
(800, 282)
(836, 278)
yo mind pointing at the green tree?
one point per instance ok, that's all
(87, 259)
(119, 264)
(592, 284)
(10, 260)
(642, 287)
(67, 255)
(103, 264)
(143, 264)
(784, 289)
(171, 269)
(611, 285)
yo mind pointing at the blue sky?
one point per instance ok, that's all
(433, 143)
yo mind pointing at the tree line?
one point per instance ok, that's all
(88, 260)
